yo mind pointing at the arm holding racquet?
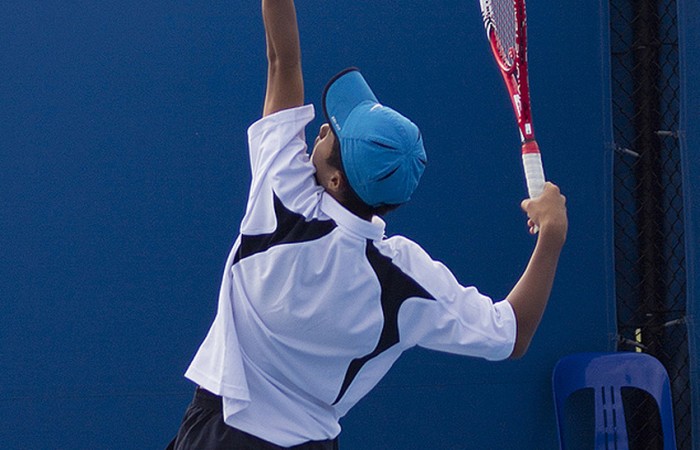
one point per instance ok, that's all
(530, 295)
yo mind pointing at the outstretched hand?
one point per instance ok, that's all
(547, 213)
(285, 83)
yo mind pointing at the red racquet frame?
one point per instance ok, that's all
(513, 65)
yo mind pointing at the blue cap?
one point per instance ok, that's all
(381, 150)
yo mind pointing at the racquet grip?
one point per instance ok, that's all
(534, 174)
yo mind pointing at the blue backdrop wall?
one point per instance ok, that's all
(123, 175)
(689, 43)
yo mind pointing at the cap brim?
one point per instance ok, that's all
(343, 93)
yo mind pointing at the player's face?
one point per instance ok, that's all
(320, 154)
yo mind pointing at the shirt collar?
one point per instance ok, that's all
(373, 230)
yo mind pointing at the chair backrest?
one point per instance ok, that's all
(607, 374)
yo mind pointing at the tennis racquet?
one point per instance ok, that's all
(506, 29)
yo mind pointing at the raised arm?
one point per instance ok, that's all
(530, 295)
(285, 84)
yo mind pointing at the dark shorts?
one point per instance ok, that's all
(203, 428)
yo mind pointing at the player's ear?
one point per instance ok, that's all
(336, 182)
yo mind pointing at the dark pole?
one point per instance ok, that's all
(650, 216)
(650, 195)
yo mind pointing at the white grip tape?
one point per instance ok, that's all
(534, 174)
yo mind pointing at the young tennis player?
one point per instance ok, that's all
(316, 304)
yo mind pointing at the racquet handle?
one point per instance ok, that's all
(534, 173)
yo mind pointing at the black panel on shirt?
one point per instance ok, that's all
(291, 228)
(396, 288)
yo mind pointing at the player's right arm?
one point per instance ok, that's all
(530, 295)
(285, 84)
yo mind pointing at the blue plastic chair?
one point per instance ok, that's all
(607, 373)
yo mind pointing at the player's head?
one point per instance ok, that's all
(381, 152)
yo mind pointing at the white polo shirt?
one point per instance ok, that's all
(316, 304)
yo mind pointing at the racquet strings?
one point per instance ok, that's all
(503, 15)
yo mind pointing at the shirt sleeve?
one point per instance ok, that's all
(280, 166)
(459, 319)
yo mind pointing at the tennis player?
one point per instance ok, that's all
(316, 304)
